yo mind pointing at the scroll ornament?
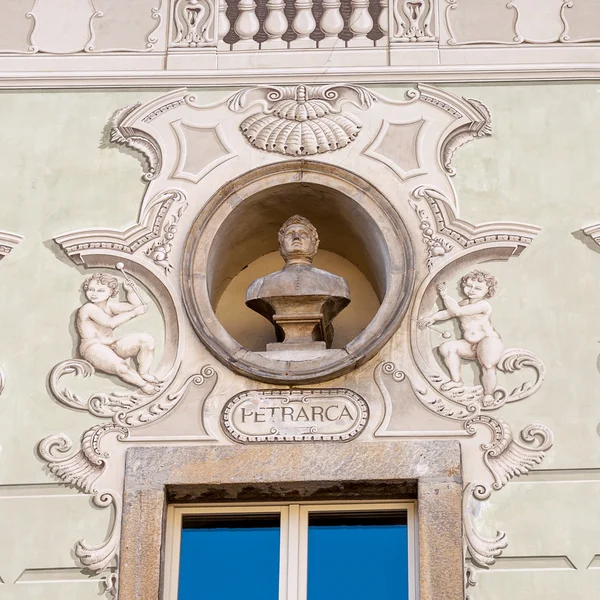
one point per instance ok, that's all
(82, 468)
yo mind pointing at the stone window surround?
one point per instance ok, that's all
(430, 471)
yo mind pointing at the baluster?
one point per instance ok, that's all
(360, 23)
(383, 22)
(331, 24)
(275, 25)
(223, 24)
(303, 24)
(246, 25)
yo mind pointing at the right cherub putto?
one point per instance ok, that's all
(480, 341)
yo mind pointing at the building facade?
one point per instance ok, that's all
(300, 261)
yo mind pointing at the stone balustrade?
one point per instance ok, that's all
(304, 24)
(376, 40)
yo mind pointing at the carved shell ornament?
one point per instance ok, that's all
(301, 120)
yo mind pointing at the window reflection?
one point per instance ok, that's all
(358, 555)
(229, 557)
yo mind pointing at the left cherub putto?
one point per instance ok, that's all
(96, 321)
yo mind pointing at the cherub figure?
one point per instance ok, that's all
(480, 341)
(96, 322)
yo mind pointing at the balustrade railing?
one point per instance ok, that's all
(302, 24)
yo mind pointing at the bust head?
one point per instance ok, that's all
(298, 240)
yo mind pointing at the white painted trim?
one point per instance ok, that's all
(373, 75)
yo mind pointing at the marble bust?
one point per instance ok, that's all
(300, 300)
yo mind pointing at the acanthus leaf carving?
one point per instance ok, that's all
(156, 409)
(97, 558)
(483, 550)
(82, 468)
(136, 139)
(301, 120)
(506, 457)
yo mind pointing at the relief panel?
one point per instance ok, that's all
(386, 169)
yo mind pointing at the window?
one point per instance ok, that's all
(293, 551)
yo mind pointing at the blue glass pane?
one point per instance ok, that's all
(229, 557)
(358, 556)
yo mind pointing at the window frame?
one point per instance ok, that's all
(294, 515)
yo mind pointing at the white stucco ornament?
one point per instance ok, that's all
(301, 120)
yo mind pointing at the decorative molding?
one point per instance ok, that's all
(83, 468)
(413, 21)
(98, 404)
(384, 148)
(127, 241)
(8, 242)
(444, 217)
(474, 116)
(195, 24)
(160, 249)
(437, 246)
(452, 5)
(137, 140)
(506, 457)
(310, 419)
(151, 37)
(205, 145)
(301, 120)
(151, 78)
(593, 230)
(88, 47)
(483, 550)
(157, 409)
(518, 36)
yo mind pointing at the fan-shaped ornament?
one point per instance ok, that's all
(301, 121)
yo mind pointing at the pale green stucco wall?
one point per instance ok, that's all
(539, 167)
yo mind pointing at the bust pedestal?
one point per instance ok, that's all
(300, 300)
(300, 320)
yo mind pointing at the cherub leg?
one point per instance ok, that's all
(452, 353)
(141, 346)
(489, 353)
(105, 359)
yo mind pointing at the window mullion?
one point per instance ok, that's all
(293, 552)
(302, 562)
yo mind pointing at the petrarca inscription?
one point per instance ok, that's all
(295, 415)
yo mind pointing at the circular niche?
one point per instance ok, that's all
(234, 241)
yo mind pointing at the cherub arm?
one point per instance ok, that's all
(440, 315)
(133, 301)
(99, 317)
(461, 309)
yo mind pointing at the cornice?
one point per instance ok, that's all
(234, 77)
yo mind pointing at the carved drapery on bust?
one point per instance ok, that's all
(300, 300)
